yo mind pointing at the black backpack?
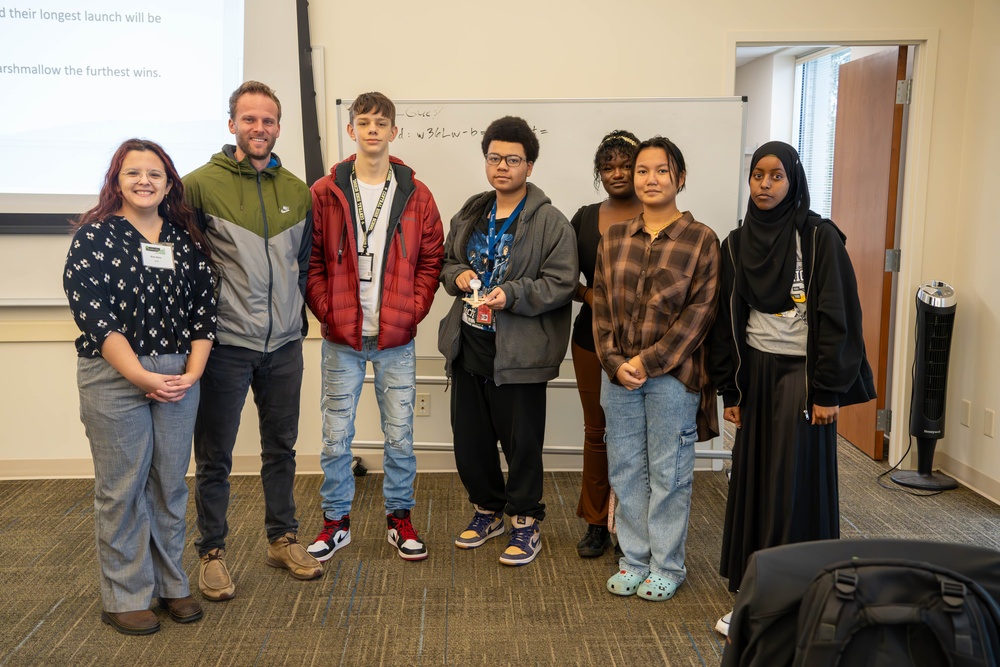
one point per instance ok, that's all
(882, 612)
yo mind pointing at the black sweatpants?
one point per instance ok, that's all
(514, 414)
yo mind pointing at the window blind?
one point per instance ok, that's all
(816, 119)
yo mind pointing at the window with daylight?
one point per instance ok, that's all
(816, 78)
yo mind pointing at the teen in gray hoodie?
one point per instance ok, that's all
(501, 352)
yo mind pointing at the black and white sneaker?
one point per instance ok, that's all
(403, 536)
(336, 534)
(722, 625)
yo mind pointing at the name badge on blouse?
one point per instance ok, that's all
(365, 262)
(484, 315)
(158, 255)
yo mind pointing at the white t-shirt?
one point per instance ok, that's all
(787, 332)
(370, 291)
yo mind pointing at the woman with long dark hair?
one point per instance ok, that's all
(613, 170)
(787, 352)
(140, 288)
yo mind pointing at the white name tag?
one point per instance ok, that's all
(365, 266)
(158, 255)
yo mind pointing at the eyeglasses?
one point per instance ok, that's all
(154, 175)
(493, 159)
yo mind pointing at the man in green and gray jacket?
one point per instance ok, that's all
(258, 220)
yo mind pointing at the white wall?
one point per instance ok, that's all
(755, 81)
(971, 229)
(783, 97)
(563, 48)
(769, 84)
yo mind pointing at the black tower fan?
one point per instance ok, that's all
(935, 320)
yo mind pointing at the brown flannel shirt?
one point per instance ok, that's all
(657, 298)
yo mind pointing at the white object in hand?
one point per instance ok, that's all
(474, 285)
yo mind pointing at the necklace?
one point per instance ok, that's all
(653, 231)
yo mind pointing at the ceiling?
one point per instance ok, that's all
(747, 54)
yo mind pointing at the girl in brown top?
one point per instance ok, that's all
(613, 169)
(656, 288)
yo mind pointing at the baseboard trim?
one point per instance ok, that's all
(47, 469)
(969, 476)
(306, 464)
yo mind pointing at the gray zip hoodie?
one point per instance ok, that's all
(532, 331)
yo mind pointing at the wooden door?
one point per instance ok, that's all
(865, 181)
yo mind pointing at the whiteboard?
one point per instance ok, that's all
(440, 140)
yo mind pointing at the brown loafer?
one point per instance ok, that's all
(182, 610)
(142, 622)
(213, 577)
(286, 552)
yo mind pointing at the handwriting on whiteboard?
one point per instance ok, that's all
(421, 112)
(446, 132)
(440, 130)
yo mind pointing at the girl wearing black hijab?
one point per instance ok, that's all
(787, 352)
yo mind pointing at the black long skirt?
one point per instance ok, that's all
(783, 487)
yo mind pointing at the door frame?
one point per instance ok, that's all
(916, 174)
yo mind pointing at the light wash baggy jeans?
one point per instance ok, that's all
(395, 391)
(651, 433)
(141, 450)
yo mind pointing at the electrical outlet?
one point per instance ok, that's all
(423, 406)
(989, 423)
(966, 412)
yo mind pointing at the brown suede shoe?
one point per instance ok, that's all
(213, 577)
(286, 552)
(182, 610)
(142, 622)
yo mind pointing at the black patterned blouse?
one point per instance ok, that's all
(159, 311)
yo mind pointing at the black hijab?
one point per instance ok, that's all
(765, 258)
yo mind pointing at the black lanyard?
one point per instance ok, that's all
(366, 231)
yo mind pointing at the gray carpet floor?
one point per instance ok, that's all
(371, 608)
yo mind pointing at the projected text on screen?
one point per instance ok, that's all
(80, 76)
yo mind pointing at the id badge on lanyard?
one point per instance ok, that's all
(366, 261)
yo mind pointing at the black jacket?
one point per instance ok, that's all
(837, 371)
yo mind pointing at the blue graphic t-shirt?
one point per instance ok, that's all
(478, 348)
(478, 255)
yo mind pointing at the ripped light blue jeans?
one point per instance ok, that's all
(395, 391)
(651, 433)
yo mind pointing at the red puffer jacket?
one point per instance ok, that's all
(412, 259)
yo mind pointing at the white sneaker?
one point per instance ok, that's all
(722, 625)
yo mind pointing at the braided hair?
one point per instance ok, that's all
(616, 143)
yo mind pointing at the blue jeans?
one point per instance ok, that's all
(395, 390)
(651, 434)
(141, 451)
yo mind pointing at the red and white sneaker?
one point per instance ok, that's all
(335, 535)
(403, 536)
